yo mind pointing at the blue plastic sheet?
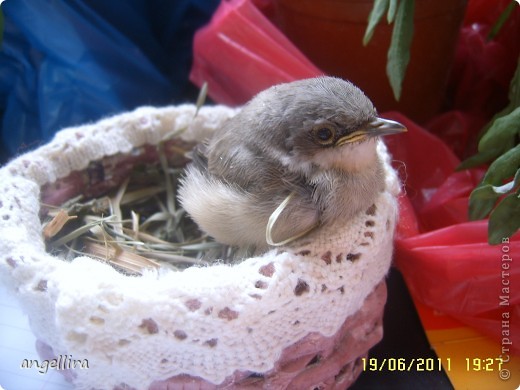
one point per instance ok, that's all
(68, 62)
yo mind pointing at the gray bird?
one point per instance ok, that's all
(298, 155)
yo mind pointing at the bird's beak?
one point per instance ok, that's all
(375, 128)
(380, 126)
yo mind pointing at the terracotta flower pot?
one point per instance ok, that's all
(330, 33)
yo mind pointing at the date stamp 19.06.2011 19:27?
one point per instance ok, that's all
(430, 364)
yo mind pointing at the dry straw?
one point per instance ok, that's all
(140, 225)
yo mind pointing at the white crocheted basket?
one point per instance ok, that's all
(295, 317)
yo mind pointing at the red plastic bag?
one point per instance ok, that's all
(422, 160)
(241, 53)
(456, 272)
(445, 260)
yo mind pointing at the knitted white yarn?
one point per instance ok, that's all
(206, 322)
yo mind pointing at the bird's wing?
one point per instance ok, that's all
(199, 157)
(289, 205)
(255, 187)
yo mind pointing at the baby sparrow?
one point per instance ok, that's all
(298, 155)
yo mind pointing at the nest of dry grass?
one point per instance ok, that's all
(140, 224)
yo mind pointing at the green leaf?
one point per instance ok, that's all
(483, 198)
(503, 167)
(374, 18)
(390, 16)
(399, 51)
(501, 20)
(487, 191)
(481, 202)
(504, 220)
(478, 159)
(487, 155)
(508, 187)
(516, 180)
(514, 87)
(502, 133)
(513, 96)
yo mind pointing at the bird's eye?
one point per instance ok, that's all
(324, 135)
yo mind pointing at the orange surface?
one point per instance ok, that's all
(471, 360)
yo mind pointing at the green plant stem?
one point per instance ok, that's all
(501, 20)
